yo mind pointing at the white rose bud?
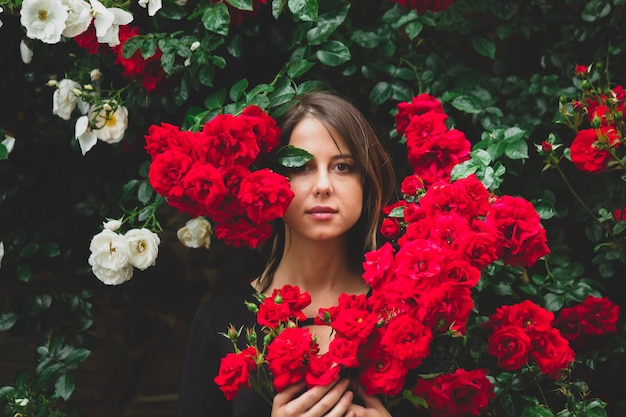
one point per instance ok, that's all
(112, 224)
(144, 247)
(9, 143)
(196, 233)
(195, 45)
(95, 74)
(25, 52)
(1, 252)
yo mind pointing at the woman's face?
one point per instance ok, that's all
(328, 189)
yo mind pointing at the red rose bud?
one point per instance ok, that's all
(578, 105)
(581, 71)
(546, 147)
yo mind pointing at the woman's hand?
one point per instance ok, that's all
(372, 407)
(333, 400)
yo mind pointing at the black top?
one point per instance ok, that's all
(199, 395)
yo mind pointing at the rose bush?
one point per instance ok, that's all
(144, 77)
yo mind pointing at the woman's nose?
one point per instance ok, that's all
(322, 184)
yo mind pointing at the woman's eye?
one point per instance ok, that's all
(343, 167)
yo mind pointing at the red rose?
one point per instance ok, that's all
(352, 318)
(551, 352)
(242, 232)
(288, 354)
(390, 207)
(230, 207)
(264, 127)
(411, 185)
(166, 174)
(390, 228)
(167, 136)
(444, 197)
(589, 151)
(234, 372)
(480, 245)
(265, 195)
(407, 339)
(598, 316)
(436, 158)
(447, 230)
(511, 346)
(479, 195)
(523, 239)
(459, 394)
(419, 105)
(446, 306)
(420, 261)
(204, 185)
(228, 140)
(581, 71)
(526, 315)
(620, 214)
(460, 272)
(378, 266)
(344, 352)
(321, 370)
(568, 322)
(381, 372)
(272, 313)
(420, 129)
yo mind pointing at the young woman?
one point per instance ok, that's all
(319, 245)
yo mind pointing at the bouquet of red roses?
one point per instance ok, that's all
(442, 235)
(220, 172)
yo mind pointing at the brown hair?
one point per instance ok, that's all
(371, 160)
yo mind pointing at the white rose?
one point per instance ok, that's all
(107, 22)
(78, 18)
(43, 19)
(113, 276)
(110, 126)
(196, 233)
(64, 98)
(144, 247)
(109, 250)
(153, 6)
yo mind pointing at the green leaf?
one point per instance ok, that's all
(299, 68)
(35, 304)
(4, 152)
(465, 103)
(23, 273)
(149, 47)
(281, 95)
(7, 320)
(333, 54)
(144, 192)
(215, 100)
(241, 4)
(413, 29)
(484, 46)
(51, 249)
(553, 302)
(216, 18)
(64, 386)
(277, 8)
(238, 89)
(305, 10)
(131, 46)
(380, 93)
(291, 157)
(29, 250)
(76, 356)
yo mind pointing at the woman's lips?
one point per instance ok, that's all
(322, 212)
